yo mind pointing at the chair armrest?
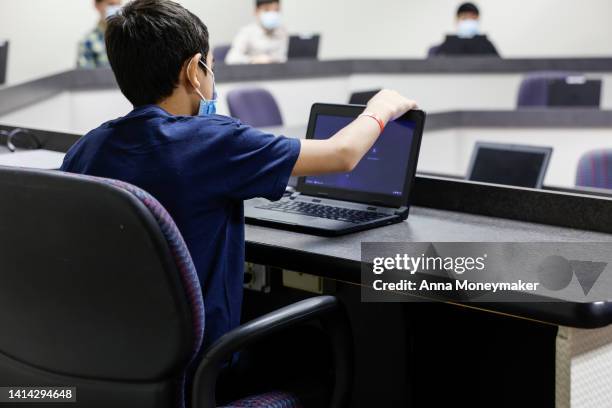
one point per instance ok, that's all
(326, 309)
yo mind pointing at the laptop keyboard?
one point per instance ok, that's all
(324, 211)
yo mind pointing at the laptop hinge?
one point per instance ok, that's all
(401, 211)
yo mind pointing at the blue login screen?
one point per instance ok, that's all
(382, 170)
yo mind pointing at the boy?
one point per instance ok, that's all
(468, 20)
(264, 41)
(468, 30)
(92, 51)
(199, 165)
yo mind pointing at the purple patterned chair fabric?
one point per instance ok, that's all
(255, 107)
(534, 88)
(595, 169)
(270, 400)
(193, 289)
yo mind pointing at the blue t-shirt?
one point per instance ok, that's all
(200, 169)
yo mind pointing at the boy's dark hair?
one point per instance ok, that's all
(468, 8)
(148, 42)
(259, 3)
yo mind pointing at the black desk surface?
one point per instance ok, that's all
(339, 258)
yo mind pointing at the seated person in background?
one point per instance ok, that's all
(92, 50)
(199, 165)
(264, 41)
(468, 40)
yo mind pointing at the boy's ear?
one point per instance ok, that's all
(191, 74)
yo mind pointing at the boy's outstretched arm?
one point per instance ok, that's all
(342, 152)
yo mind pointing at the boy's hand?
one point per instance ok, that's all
(344, 150)
(261, 59)
(390, 105)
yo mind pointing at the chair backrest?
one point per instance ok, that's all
(98, 291)
(533, 91)
(220, 52)
(595, 169)
(256, 107)
(433, 51)
(362, 97)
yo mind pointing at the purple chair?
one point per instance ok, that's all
(255, 107)
(595, 169)
(534, 88)
(99, 292)
(220, 53)
(433, 51)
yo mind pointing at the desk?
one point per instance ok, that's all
(441, 84)
(447, 145)
(582, 358)
(444, 210)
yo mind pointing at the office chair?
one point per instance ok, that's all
(433, 51)
(256, 107)
(220, 53)
(533, 91)
(595, 169)
(98, 291)
(362, 97)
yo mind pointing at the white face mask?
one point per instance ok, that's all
(468, 28)
(112, 10)
(270, 20)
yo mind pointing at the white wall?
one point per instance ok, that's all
(44, 33)
(519, 28)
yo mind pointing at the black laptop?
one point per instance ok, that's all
(511, 165)
(4, 46)
(304, 47)
(574, 92)
(376, 193)
(457, 46)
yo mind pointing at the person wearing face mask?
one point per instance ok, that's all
(264, 41)
(92, 50)
(469, 39)
(468, 21)
(202, 166)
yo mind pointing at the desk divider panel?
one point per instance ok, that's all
(569, 210)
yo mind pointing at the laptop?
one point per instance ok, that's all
(4, 46)
(574, 92)
(511, 165)
(304, 46)
(362, 98)
(376, 193)
(456, 46)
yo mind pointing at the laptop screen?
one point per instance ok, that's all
(383, 169)
(512, 166)
(565, 93)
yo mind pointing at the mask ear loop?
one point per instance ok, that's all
(214, 97)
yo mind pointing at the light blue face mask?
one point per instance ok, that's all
(469, 28)
(112, 11)
(270, 20)
(208, 107)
